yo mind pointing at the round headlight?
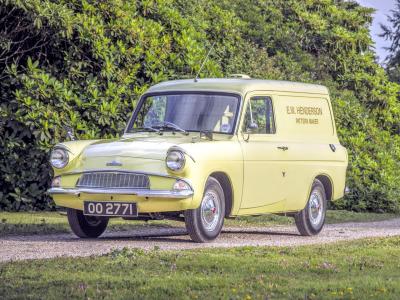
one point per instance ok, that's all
(175, 160)
(59, 158)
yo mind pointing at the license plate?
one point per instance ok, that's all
(117, 209)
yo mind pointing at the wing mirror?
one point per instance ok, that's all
(70, 133)
(252, 127)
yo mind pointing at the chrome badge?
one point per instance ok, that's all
(113, 163)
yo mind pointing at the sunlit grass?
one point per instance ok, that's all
(364, 269)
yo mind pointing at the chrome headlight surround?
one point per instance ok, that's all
(175, 160)
(59, 158)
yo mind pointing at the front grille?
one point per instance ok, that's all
(114, 180)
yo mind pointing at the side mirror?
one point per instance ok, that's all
(252, 127)
(70, 133)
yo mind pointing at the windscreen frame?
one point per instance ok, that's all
(196, 92)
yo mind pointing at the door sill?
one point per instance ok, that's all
(270, 208)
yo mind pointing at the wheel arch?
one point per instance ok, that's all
(226, 185)
(326, 181)
(328, 185)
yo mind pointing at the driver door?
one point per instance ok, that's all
(263, 158)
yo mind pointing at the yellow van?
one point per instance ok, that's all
(206, 149)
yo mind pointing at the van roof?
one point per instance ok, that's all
(235, 85)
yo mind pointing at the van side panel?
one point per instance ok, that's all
(305, 118)
(306, 126)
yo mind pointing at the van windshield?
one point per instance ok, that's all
(187, 112)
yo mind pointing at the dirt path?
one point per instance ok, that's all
(15, 247)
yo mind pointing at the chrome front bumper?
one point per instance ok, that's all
(135, 192)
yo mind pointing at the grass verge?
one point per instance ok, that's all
(53, 222)
(364, 269)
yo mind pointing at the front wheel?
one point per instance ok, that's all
(205, 223)
(311, 219)
(86, 226)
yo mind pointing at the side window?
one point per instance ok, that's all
(260, 112)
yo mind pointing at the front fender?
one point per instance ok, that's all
(214, 157)
(74, 149)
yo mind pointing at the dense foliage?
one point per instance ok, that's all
(392, 33)
(84, 64)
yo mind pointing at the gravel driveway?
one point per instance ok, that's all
(14, 247)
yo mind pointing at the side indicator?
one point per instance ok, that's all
(333, 147)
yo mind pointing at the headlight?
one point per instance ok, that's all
(175, 160)
(59, 158)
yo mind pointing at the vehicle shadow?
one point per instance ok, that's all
(162, 234)
(260, 232)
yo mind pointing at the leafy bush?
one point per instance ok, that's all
(84, 64)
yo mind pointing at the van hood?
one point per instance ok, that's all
(142, 147)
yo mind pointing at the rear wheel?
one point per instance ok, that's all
(86, 226)
(205, 222)
(311, 219)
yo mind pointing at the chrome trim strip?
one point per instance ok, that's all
(137, 192)
(128, 171)
(120, 171)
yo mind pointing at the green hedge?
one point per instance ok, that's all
(85, 63)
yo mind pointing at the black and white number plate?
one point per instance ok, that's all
(116, 209)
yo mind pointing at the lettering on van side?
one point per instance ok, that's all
(306, 121)
(305, 110)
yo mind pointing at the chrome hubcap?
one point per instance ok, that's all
(210, 210)
(316, 208)
(92, 221)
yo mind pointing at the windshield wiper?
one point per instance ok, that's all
(171, 125)
(149, 128)
(206, 133)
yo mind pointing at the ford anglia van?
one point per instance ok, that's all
(204, 150)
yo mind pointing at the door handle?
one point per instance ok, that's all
(283, 148)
